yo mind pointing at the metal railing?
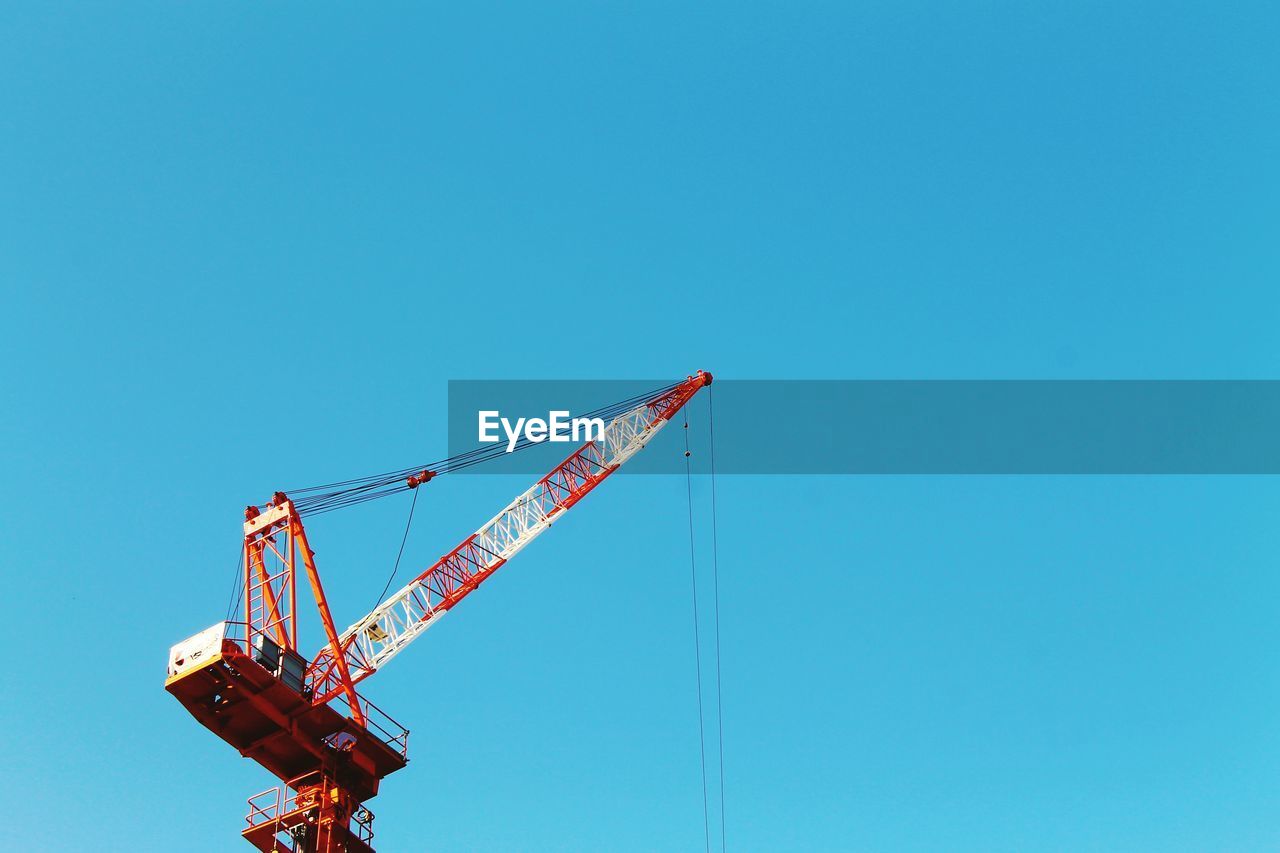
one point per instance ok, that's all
(276, 805)
(378, 722)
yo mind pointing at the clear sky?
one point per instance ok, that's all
(244, 247)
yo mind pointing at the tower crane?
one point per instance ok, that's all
(301, 718)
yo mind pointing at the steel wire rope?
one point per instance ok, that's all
(315, 500)
(400, 553)
(697, 643)
(715, 574)
(237, 588)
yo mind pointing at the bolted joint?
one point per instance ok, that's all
(418, 479)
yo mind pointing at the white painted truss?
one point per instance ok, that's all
(395, 623)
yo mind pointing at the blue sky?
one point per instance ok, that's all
(247, 247)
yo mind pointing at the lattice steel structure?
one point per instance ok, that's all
(303, 720)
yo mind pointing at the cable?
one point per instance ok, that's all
(400, 554)
(697, 643)
(715, 574)
(315, 500)
(237, 589)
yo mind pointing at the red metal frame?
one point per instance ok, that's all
(344, 743)
(310, 812)
(267, 590)
(455, 575)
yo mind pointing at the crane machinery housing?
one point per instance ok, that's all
(301, 718)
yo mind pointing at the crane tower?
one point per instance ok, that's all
(301, 718)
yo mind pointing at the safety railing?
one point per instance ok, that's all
(237, 633)
(286, 805)
(266, 807)
(377, 721)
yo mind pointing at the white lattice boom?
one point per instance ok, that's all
(382, 634)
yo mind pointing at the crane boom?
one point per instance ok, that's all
(304, 721)
(379, 636)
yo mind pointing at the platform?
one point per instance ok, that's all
(248, 707)
(275, 814)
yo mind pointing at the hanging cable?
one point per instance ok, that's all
(715, 574)
(403, 539)
(697, 642)
(237, 588)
